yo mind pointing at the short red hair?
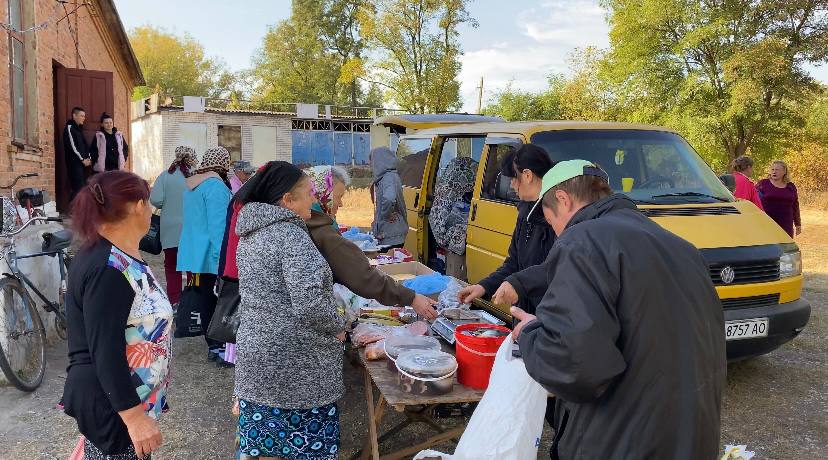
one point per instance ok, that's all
(104, 200)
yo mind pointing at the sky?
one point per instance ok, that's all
(517, 41)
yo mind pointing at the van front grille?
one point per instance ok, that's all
(746, 273)
(751, 302)
(688, 212)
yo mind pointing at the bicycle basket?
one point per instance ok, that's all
(31, 196)
(9, 215)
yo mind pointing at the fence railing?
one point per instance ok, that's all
(286, 108)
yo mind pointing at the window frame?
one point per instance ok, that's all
(19, 37)
(496, 142)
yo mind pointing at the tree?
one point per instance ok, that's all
(582, 95)
(419, 51)
(315, 56)
(177, 65)
(723, 70)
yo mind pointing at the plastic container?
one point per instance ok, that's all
(426, 372)
(476, 355)
(397, 344)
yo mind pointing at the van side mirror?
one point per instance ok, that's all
(729, 181)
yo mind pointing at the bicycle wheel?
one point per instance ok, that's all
(22, 337)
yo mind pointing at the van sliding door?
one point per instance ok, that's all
(493, 214)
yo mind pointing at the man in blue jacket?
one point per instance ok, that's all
(630, 333)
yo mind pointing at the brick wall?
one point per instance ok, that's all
(45, 49)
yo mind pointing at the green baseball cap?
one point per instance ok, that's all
(565, 170)
(570, 169)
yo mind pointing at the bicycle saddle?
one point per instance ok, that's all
(56, 241)
(34, 196)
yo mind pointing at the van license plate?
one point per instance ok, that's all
(746, 329)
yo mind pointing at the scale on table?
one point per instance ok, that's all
(444, 327)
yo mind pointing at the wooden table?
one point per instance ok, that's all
(417, 409)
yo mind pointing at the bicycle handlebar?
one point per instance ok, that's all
(30, 222)
(16, 179)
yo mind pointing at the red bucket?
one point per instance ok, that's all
(476, 355)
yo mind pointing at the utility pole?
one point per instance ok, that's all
(480, 96)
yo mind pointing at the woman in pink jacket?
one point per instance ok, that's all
(745, 188)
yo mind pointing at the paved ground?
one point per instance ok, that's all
(776, 404)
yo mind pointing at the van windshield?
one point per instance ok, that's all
(650, 167)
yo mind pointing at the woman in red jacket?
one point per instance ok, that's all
(745, 188)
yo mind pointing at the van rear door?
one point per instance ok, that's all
(412, 154)
(493, 212)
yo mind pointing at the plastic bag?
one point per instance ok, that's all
(353, 234)
(450, 297)
(508, 422)
(365, 333)
(428, 284)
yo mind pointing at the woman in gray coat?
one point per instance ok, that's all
(289, 342)
(390, 225)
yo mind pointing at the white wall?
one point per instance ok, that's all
(282, 147)
(44, 272)
(146, 147)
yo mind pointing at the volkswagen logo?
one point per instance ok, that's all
(728, 275)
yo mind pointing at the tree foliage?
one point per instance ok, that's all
(728, 70)
(418, 51)
(314, 56)
(177, 65)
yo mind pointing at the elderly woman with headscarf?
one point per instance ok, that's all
(205, 217)
(289, 342)
(449, 213)
(168, 196)
(349, 265)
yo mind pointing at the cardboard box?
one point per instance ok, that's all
(405, 268)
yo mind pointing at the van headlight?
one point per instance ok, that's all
(790, 263)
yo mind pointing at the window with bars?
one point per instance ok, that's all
(17, 71)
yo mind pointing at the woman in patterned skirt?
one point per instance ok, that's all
(289, 342)
(119, 323)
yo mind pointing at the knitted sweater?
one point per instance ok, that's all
(288, 355)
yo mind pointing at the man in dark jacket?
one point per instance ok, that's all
(75, 150)
(630, 333)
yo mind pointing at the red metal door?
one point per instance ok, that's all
(90, 90)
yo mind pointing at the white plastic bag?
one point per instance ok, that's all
(508, 422)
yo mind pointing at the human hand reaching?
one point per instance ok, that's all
(505, 295)
(424, 307)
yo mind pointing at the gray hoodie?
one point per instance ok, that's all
(390, 225)
(288, 355)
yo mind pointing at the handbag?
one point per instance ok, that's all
(225, 322)
(151, 242)
(195, 309)
(508, 421)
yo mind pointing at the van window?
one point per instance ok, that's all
(412, 154)
(497, 187)
(660, 167)
(460, 147)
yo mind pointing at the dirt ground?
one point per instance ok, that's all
(777, 404)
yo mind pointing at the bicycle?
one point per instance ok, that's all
(30, 199)
(22, 334)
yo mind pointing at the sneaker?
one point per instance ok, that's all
(213, 355)
(220, 362)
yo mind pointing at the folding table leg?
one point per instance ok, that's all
(372, 419)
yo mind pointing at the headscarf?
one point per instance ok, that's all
(322, 184)
(270, 184)
(185, 159)
(216, 159)
(456, 182)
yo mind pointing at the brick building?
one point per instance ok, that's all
(59, 55)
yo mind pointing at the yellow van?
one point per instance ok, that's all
(755, 266)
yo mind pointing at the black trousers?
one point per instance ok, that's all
(77, 176)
